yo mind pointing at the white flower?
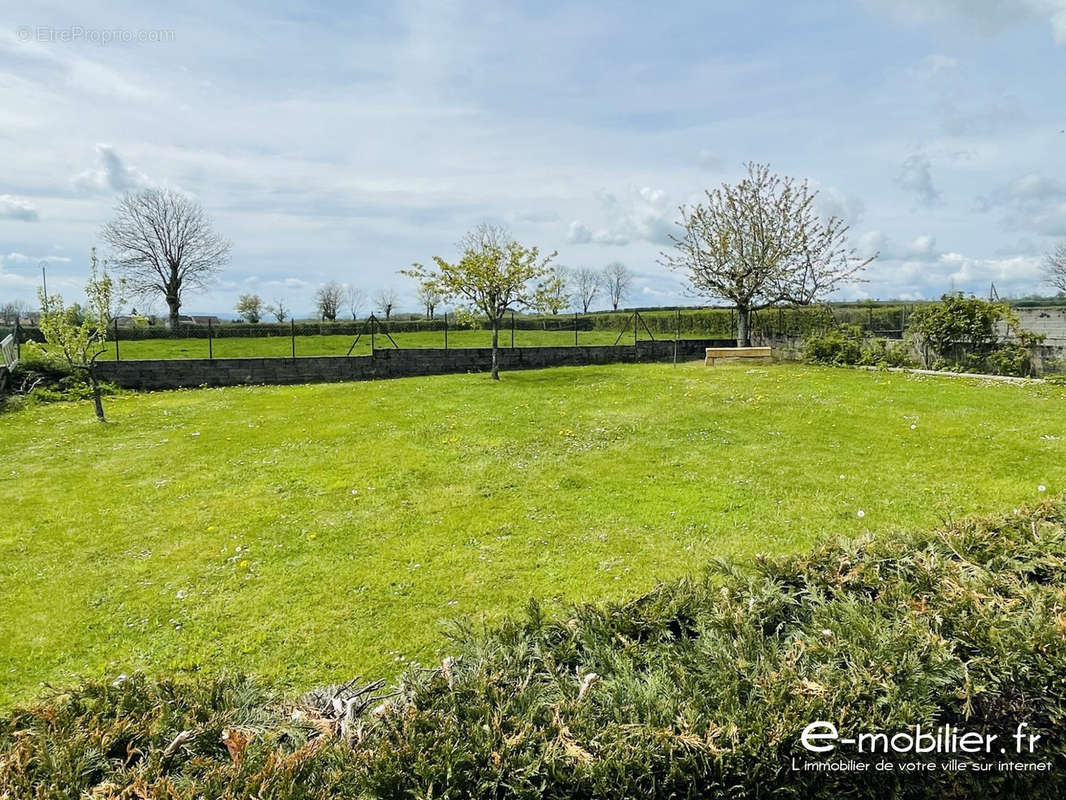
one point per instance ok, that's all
(1041, 488)
(860, 514)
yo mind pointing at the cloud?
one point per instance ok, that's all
(639, 214)
(919, 249)
(111, 174)
(1032, 202)
(916, 176)
(578, 233)
(20, 259)
(933, 65)
(12, 207)
(986, 16)
(710, 160)
(832, 202)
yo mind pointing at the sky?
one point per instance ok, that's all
(344, 141)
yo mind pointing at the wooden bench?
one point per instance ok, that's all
(715, 353)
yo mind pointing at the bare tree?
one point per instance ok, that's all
(385, 300)
(429, 296)
(760, 243)
(164, 243)
(328, 300)
(1055, 267)
(11, 312)
(587, 284)
(617, 280)
(279, 310)
(354, 301)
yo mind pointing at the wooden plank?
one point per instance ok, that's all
(738, 352)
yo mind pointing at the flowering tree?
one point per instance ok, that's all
(494, 274)
(760, 243)
(79, 339)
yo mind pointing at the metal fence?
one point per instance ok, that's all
(358, 337)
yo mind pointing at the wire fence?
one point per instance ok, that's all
(360, 337)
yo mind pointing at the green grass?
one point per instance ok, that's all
(337, 345)
(311, 533)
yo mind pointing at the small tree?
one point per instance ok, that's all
(617, 280)
(494, 274)
(79, 343)
(385, 300)
(279, 310)
(760, 243)
(1055, 267)
(587, 284)
(250, 307)
(163, 243)
(355, 300)
(429, 297)
(555, 293)
(328, 300)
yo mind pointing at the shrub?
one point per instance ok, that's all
(847, 344)
(700, 688)
(965, 334)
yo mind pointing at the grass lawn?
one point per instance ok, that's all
(312, 533)
(337, 345)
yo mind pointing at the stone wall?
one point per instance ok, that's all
(190, 372)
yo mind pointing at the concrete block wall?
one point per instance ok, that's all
(410, 362)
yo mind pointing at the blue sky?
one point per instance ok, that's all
(337, 141)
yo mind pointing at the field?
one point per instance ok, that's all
(313, 533)
(337, 345)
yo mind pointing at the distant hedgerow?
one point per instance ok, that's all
(698, 689)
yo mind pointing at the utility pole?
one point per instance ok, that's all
(44, 285)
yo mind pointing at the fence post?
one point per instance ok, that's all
(512, 330)
(292, 337)
(636, 320)
(116, 340)
(445, 330)
(575, 329)
(373, 327)
(210, 340)
(677, 335)
(18, 339)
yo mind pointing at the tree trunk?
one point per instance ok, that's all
(743, 335)
(97, 402)
(495, 350)
(174, 304)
